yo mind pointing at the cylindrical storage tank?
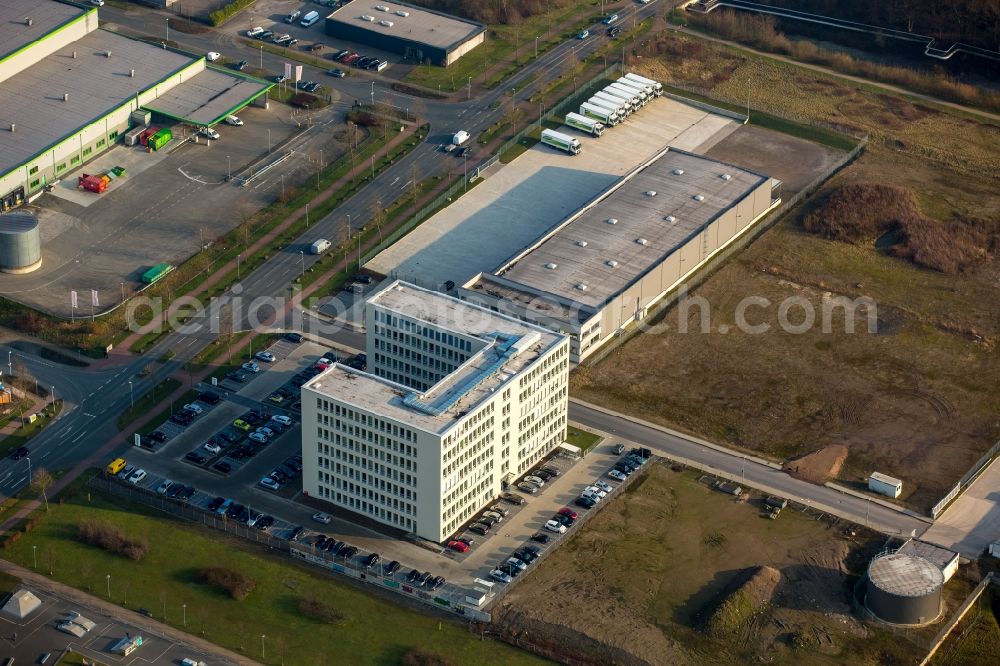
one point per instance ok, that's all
(904, 589)
(20, 244)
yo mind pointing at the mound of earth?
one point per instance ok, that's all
(819, 466)
(744, 603)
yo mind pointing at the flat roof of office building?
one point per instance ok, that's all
(96, 84)
(207, 97)
(421, 25)
(588, 259)
(15, 33)
(499, 360)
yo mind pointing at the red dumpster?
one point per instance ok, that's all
(92, 183)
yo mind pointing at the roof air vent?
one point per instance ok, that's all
(642, 241)
(381, 8)
(400, 12)
(12, 128)
(74, 55)
(551, 266)
(582, 243)
(650, 193)
(699, 197)
(612, 263)
(368, 18)
(387, 24)
(670, 218)
(611, 220)
(131, 73)
(726, 176)
(65, 97)
(581, 286)
(678, 172)
(28, 22)
(107, 54)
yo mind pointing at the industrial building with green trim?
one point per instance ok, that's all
(68, 91)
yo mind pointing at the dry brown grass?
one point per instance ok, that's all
(236, 584)
(112, 539)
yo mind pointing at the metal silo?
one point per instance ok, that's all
(20, 243)
(904, 589)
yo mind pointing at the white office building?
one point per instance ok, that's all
(457, 400)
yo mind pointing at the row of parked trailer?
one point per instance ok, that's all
(605, 109)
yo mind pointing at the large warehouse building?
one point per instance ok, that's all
(68, 91)
(458, 400)
(605, 266)
(414, 32)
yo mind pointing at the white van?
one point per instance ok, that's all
(320, 246)
(293, 17)
(309, 19)
(460, 137)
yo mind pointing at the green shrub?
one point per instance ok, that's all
(112, 539)
(234, 583)
(320, 611)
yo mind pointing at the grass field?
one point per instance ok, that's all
(646, 574)
(375, 631)
(976, 640)
(913, 400)
(581, 438)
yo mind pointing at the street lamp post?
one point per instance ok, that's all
(168, 28)
(28, 458)
(262, 637)
(536, 46)
(108, 578)
(238, 266)
(307, 216)
(184, 609)
(262, 56)
(229, 168)
(53, 398)
(34, 555)
(466, 187)
(123, 292)
(302, 254)
(10, 362)
(269, 139)
(131, 395)
(373, 93)
(470, 87)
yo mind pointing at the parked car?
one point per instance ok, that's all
(264, 522)
(182, 418)
(594, 490)
(212, 56)
(195, 457)
(540, 537)
(293, 337)
(480, 529)
(336, 72)
(269, 483)
(212, 446)
(322, 518)
(435, 582)
(175, 490)
(253, 32)
(584, 502)
(209, 133)
(238, 376)
(501, 576)
(617, 475)
(296, 532)
(563, 520)
(216, 503)
(266, 35)
(555, 526)
(223, 466)
(511, 498)
(187, 493)
(164, 487)
(412, 576)
(527, 487)
(159, 436)
(458, 546)
(606, 487)
(551, 470)
(372, 560)
(240, 66)
(566, 511)
(537, 480)
(516, 563)
(242, 425)
(258, 437)
(265, 356)
(494, 515)
(250, 366)
(583, 34)
(499, 508)
(210, 398)
(282, 419)
(390, 569)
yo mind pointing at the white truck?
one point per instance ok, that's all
(460, 137)
(320, 246)
(644, 94)
(606, 116)
(309, 19)
(655, 85)
(561, 141)
(623, 107)
(627, 93)
(584, 124)
(625, 81)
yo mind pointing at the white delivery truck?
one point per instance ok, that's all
(624, 108)
(460, 137)
(320, 246)
(655, 85)
(625, 81)
(561, 141)
(629, 93)
(309, 19)
(606, 116)
(644, 93)
(631, 101)
(584, 124)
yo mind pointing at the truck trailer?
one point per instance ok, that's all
(655, 85)
(156, 272)
(640, 90)
(638, 99)
(561, 141)
(630, 102)
(584, 124)
(606, 116)
(623, 107)
(625, 81)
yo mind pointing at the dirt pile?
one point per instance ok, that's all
(819, 466)
(744, 604)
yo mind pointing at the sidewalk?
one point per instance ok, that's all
(121, 354)
(57, 589)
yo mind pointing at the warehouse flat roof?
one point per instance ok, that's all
(508, 347)
(45, 17)
(207, 97)
(96, 84)
(422, 25)
(604, 258)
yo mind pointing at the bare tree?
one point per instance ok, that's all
(40, 482)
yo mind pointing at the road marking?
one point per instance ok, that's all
(82, 433)
(93, 416)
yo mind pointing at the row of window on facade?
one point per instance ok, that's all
(366, 507)
(360, 484)
(73, 160)
(410, 326)
(366, 419)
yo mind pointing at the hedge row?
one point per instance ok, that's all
(220, 16)
(236, 584)
(112, 539)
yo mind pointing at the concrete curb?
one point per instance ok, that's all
(889, 505)
(675, 433)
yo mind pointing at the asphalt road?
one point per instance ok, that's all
(94, 399)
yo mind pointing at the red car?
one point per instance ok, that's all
(566, 511)
(458, 546)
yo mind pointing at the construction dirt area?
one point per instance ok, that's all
(677, 572)
(915, 399)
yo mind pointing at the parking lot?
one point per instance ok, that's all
(26, 640)
(157, 211)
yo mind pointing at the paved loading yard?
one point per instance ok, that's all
(167, 205)
(520, 201)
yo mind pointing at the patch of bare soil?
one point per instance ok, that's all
(819, 466)
(741, 607)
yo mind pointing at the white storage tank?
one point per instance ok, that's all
(20, 242)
